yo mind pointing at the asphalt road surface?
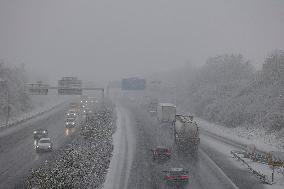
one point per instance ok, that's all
(134, 167)
(209, 170)
(17, 146)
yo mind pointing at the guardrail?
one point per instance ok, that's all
(259, 175)
(28, 117)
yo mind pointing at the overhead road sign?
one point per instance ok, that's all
(133, 83)
(69, 86)
(38, 88)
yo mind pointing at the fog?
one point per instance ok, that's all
(102, 40)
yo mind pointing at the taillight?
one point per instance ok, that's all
(168, 152)
(184, 177)
(168, 177)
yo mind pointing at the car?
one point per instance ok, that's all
(70, 122)
(40, 133)
(73, 105)
(176, 176)
(71, 112)
(44, 144)
(161, 152)
(93, 100)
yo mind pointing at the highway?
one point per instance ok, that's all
(17, 153)
(132, 166)
(210, 170)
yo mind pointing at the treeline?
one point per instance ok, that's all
(229, 91)
(15, 78)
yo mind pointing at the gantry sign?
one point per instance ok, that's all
(38, 88)
(69, 86)
(66, 86)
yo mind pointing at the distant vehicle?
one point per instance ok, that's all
(86, 110)
(186, 133)
(71, 112)
(166, 112)
(70, 122)
(44, 144)
(152, 112)
(176, 176)
(84, 99)
(93, 99)
(40, 133)
(161, 152)
(152, 107)
(74, 105)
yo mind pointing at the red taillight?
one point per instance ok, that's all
(167, 177)
(168, 152)
(184, 177)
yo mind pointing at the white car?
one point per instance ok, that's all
(44, 144)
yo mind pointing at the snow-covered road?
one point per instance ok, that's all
(219, 149)
(124, 148)
(137, 133)
(17, 154)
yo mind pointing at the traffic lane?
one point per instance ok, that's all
(199, 167)
(150, 134)
(221, 156)
(17, 149)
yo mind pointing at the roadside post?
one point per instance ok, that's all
(7, 108)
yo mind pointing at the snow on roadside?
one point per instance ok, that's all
(124, 146)
(262, 141)
(39, 104)
(115, 165)
(241, 136)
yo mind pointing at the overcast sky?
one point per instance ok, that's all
(101, 40)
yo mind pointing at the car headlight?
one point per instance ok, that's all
(34, 132)
(49, 146)
(44, 131)
(73, 123)
(68, 114)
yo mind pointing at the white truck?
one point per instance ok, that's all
(186, 133)
(166, 112)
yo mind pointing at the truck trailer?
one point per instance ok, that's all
(186, 133)
(166, 112)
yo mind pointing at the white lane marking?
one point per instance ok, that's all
(219, 169)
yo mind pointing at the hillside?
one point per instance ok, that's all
(227, 90)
